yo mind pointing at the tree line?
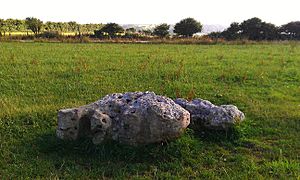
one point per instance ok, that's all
(251, 29)
(37, 26)
(186, 27)
(258, 30)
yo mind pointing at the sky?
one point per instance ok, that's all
(221, 12)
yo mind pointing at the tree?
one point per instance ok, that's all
(19, 25)
(34, 24)
(291, 30)
(269, 31)
(251, 28)
(2, 27)
(61, 27)
(187, 27)
(161, 30)
(87, 28)
(233, 32)
(112, 29)
(73, 26)
(10, 25)
(50, 26)
(256, 29)
(79, 29)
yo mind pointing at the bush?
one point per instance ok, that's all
(131, 36)
(100, 34)
(215, 35)
(50, 35)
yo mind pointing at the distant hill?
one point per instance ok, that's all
(208, 28)
(139, 26)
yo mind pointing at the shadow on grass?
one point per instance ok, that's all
(109, 151)
(160, 152)
(47, 153)
(39, 148)
(44, 140)
(231, 135)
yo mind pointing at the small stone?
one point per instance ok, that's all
(205, 114)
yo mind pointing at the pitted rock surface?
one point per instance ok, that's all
(130, 118)
(205, 114)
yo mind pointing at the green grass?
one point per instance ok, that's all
(37, 79)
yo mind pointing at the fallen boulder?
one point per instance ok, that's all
(205, 114)
(131, 118)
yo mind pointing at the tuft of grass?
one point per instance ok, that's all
(263, 80)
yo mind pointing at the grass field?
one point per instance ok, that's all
(37, 79)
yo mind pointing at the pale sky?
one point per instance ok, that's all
(221, 12)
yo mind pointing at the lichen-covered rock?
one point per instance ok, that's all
(130, 118)
(205, 114)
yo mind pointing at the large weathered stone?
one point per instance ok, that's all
(205, 114)
(130, 118)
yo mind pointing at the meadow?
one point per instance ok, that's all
(263, 80)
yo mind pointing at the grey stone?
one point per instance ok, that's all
(205, 114)
(74, 123)
(129, 118)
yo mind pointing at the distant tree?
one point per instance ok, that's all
(61, 27)
(187, 27)
(233, 32)
(2, 27)
(88, 28)
(291, 30)
(50, 26)
(80, 28)
(112, 29)
(73, 26)
(251, 28)
(256, 29)
(161, 30)
(19, 25)
(34, 24)
(268, 31)
(10, 25)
